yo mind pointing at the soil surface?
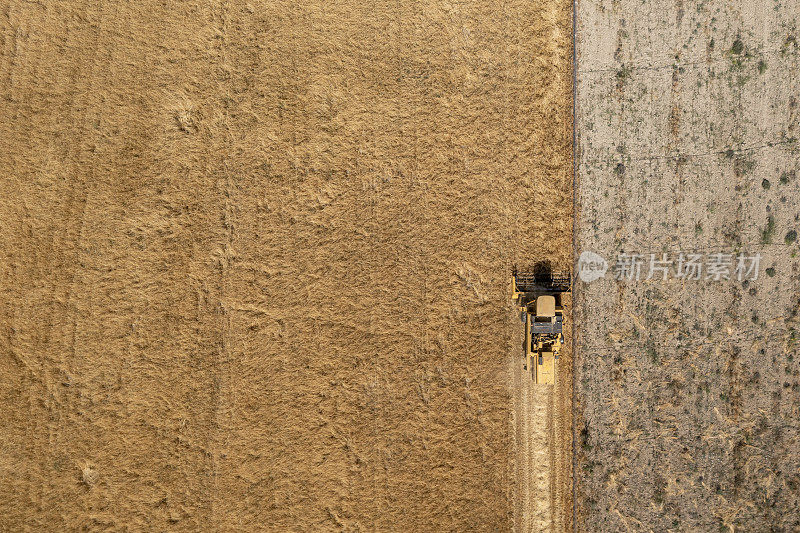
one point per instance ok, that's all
(688, 390)
(254, 264)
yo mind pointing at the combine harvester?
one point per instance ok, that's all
(538, 295)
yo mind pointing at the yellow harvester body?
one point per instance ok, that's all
(539, 297)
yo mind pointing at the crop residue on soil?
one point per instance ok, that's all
(254, 259)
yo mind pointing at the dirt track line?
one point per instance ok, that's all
(575, 253)
(537, 493)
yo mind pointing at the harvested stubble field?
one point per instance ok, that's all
(254, 264)
(687, 391)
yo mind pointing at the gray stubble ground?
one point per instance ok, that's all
(687, 392)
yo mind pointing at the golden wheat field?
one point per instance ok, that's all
(254, 264)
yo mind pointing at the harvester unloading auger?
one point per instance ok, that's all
(538, 295)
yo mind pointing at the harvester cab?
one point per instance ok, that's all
(538, 296)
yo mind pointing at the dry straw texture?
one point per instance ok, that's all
(254, 258)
